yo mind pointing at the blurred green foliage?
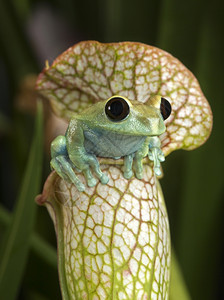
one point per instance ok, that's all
(33, 31)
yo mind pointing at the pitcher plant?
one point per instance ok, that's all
(128, 106)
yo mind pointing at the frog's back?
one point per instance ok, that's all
(110, 144)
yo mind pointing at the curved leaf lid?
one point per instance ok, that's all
(91, 71)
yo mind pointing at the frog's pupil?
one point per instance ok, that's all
(117, 109)
(165, 108)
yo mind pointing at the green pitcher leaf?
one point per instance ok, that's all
(90, 71)
(113, 240)
(15, 246)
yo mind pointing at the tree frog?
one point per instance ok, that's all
(113, 128)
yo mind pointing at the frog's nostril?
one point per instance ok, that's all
(117, 109)
(165, 108)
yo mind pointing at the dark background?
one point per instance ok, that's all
(193, 31)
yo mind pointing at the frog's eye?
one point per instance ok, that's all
(165, 108)
(117, 109)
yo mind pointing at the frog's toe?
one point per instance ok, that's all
(64, 168)
(80, 187)
(128, 174)
(157, 171)
(161, 157)
(104, 179)
(77, 170)
(75, 180)
(139, 174)
(150, 156)
(91, 182)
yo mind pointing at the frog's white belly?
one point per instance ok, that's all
(110, 144)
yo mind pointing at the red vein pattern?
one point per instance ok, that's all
(115, 238)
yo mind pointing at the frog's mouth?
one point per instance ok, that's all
(134, 126)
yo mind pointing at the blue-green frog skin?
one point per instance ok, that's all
(112, 128)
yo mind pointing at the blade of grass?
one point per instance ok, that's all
(14, 45)
(38, 245)
(15, 246)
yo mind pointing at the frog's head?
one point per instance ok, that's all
(118, 114)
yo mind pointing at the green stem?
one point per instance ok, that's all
(178, 288)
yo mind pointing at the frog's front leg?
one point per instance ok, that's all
(78, 155)
(61, 163)
(128, 161)
(139, 155)
(137, 158)
(151, 146)
(155, 154)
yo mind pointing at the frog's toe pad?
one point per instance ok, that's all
(139, 175)
(80, 187)
(161, 158)
(157, 171)
(91, 182)
(150, 155)
(104, 179)
(128, 174)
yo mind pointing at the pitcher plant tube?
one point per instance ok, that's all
(110, 219)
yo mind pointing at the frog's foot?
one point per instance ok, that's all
(64, 168)
(138, 165)
(156, 155)
(91, 161)
(138, 169)
(138, 159)
(91, 181)
(104, 178)
(128, 161)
